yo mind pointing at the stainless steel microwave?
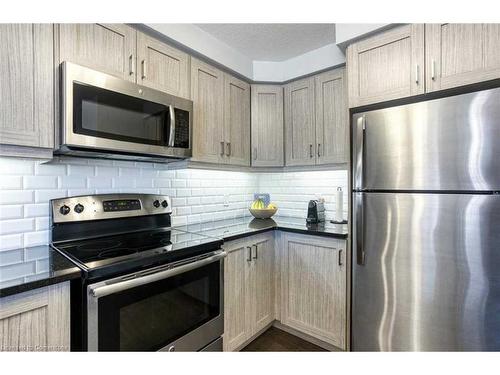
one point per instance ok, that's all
(108, 117)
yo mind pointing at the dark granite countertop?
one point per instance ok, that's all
(231, 229)
(33, 267)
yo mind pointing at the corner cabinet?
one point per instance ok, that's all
(207, 93)
(314, 287)
(236, 121)
(248, 289)
(26, 86)
(110, 48)
(267, 126)
(386, 66)
(461, 54)
(162, 67)
(300, 129)
(37, 320)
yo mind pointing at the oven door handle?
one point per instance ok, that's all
(104, 290)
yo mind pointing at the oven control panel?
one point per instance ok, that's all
(108, 206)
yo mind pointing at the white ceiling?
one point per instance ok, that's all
(272, 41)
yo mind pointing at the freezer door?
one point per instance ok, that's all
(444, 144)
(429, 279)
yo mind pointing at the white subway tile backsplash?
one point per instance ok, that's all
(197, 195)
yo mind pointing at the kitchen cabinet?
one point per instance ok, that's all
(37, 320)
(387, 66)
(461, 54)
(332, 124)
(313, 287)
(248, 289)
(267, 125)
(26, 86)
(300, 130)
(110, 48)
(162, 67)
(236, 131)
(207, 93)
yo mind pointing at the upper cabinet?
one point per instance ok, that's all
(26, 86)
(461, 54)
(162, 67)
(316, 125)
(110, 48)
(236, 121)
(386, 66)
(332, 124)
(300, 131)
(207, 93)
(267, 126)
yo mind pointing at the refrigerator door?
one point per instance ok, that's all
(444, 144)
(429, 279)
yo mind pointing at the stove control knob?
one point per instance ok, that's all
(64, 210)
(164, 204)
(79, 208)
(156, 203)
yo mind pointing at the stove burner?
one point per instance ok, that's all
(115, 253)
(99, 245)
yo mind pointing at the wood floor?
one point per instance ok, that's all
(276, 340)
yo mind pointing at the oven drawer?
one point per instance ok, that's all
(175, 307)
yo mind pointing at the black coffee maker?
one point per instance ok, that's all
(315, 212)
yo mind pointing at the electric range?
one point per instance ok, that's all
(145, 286)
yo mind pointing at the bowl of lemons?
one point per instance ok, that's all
(259, 210)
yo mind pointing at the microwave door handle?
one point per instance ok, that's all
(171, 136)
(104, 290)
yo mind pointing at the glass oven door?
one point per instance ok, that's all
(174, 307)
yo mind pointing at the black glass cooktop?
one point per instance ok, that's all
(117, 253)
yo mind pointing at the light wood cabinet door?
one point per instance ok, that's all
(313, 287)
(461, 54)
(267, 126)
(237, 267)
(27, 85)
(386, 66)
(110, 48)
(207, 93)
(236, 121)
(162, 67)
(300, 131)
(262, 283)
(38, 320)
(332, 125)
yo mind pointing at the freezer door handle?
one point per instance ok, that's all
(358, 211)
(358, 157)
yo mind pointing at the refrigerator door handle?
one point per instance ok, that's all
(359, 152)
(359, 221)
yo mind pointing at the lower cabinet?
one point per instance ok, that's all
(248, 288)
(313, 287)
(37, 320)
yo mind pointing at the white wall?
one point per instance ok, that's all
(204, 43)
(313, 61)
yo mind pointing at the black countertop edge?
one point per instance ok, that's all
(237, 236)
(60, 270)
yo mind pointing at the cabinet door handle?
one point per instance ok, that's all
(340, 257)
(256, 248)
(131, 65)
(310, 150)
(221, 148)
(228, 149)
(319, 154)
(143, 68)
(417, 73)
(249, 258)
(255, 153)
(433, 70)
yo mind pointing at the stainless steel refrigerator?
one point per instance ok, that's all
(426, 226)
